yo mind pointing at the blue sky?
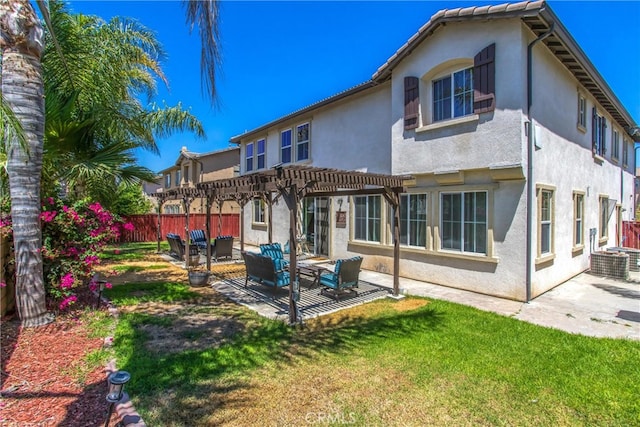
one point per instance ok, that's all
(282, 56)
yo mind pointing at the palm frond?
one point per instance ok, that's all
(205, 14)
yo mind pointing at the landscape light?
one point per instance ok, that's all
(116, 380)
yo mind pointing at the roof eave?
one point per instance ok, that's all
(349, 92)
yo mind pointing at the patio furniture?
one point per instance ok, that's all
(199, 239)
(262, 269)
(343, 279)
(177, 249)
(222, 247)
(274, 251)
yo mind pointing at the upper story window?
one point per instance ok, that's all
(186, 174)
(177, 182)
(453, 95)
(285, 146)
(599, 131)
(302, 142)
(582, 112)
(625, 154)
(260, 153)
(167, 181)
(615, 145)
(249, 157)
(456, 88)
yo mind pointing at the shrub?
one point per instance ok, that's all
(73, 238)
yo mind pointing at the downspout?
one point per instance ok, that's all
(530, 135)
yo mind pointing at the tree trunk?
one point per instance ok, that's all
(23, 89)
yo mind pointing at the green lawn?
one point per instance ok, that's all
(408, 362)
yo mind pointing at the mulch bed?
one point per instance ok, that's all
(38, 366)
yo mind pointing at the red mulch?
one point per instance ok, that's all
(38, 366)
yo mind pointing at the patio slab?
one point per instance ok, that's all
(274, 303)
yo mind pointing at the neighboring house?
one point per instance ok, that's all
(511, 192)
(192, 168)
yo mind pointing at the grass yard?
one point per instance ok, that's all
(197, 359)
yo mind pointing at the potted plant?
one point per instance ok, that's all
(198, 276)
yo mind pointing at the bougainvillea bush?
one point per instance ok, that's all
(73, 237)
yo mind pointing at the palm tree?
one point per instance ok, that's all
(23, 90)
(95, 119)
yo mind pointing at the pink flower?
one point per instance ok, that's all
(116, 251)
(96, 207)
(67, 302)
(67, 281)
(128, 226)
(72, 251)
(51, 201)
(3, 285)
(91, 259)
(48, 216)
(108, 285)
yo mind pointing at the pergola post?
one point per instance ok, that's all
(220, 203)
(393, 198)
(159, 222)
(269, 201)
(291, 199)
(186, 201)
(208, 230)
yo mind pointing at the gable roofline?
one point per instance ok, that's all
(539, 17)
(337, 97)
(191, 155)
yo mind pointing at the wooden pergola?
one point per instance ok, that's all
(294, 183)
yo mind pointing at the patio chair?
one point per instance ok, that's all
(343, 279)
(222, 247)
(274, 251)
(199, 239)
(177, 248)
(262, 269)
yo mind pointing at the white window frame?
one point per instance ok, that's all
(248, 157)
(258, 215)
(463, 222)
(261, 148)
(289, 147)
(185, 173)
(549, 221)
(412, 223)
(451, 76)
(372, 224)
(603, 218)
(582, 112)
(615, 145)
(178, 178)
(625, 154)
(167, 180)
(303, 142)
(578, 220)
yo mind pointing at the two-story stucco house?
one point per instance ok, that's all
(522, 156)
(191, 168)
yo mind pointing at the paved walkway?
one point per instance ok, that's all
(587, 304)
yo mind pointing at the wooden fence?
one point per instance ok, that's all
(631, 234)
(146, 226)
